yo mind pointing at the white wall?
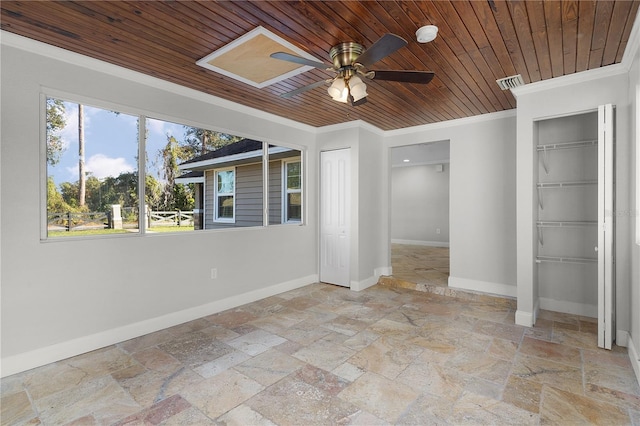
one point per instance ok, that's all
(634, 301)
(564, 96)
(420, 204)
(370, 255)
(61, 298)
(482, 197)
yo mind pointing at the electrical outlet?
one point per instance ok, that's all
(214, 273)
(438, 231)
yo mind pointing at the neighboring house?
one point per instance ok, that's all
(229, 185)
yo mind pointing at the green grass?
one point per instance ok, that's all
(170, 229)
(85, 232)
(53, 234)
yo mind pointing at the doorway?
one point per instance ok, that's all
(420, 213)
(335, 217)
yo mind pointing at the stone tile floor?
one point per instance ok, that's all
(323, 354)
(420, 264)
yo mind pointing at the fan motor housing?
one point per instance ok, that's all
(345, 54)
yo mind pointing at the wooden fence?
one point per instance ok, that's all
(168, 218)
(71, 221)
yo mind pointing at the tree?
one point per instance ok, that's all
(172, 154)
(55, 122)
(183, 197)
(55, 201)
(201, 141)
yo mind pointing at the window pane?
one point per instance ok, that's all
(293, 175)
(92, 170)
(226, 182)
(285, 185)
(294, 206)
(225, 207)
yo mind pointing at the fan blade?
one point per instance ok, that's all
(283, 56)
(303, 89)
(420, 77)
(385, 46)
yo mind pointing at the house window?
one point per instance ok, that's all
(292, 191)
(225, 195)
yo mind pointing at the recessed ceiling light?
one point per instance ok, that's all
(406, 160)
(427, 33)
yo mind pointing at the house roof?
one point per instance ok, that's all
(240, 147)
(241, 152)
(191, 177)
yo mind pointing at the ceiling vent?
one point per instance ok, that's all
(510, 82)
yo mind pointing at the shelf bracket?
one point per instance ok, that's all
(540, 203)
(540, 237)
(545, 159)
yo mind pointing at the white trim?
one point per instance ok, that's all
(234, 157)
(483, 286)
(421, 243)
(634, 356)
(216, 213)
(524, 318)
(566, 307)
(371, 281)
(570, 79)
(204, 62)
(189, 180)
(286, 192)
(355, 124)
(38, 357)
(453, 123)
(622, 338)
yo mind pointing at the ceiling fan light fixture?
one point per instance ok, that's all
(427, 33)
(357, 88)
(339, 90)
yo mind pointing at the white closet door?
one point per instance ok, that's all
(606, 227)
(335, 215)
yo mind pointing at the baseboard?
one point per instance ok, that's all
(371, 281)
(634, 356)
(483, 286)
(525, 318)
(622, 338)
(421, 243)
(42, 356)
(569, 307)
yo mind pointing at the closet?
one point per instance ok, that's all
(571, 215)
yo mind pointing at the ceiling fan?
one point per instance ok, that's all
(350, 62)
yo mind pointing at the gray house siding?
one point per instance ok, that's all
(275, 192)
(248, 198)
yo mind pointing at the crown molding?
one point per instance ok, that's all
(453, 123)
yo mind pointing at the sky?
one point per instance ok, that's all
(111, 144)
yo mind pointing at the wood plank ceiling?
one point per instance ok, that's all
(478, 42)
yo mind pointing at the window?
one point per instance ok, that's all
(92, 170)
(111, 171)
(225, 195)
(292, 191)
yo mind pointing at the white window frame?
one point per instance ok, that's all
(216, 214)
(286, 191)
